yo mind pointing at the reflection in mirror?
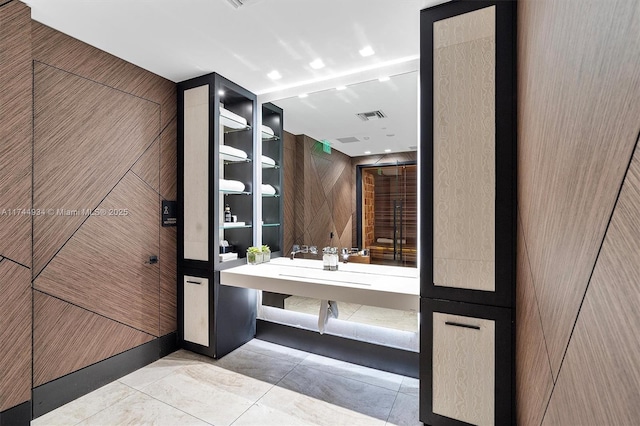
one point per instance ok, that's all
(335, 141)
(464, 151)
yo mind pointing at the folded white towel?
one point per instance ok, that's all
(229, 119)
(231, 185)
(267, 132)
(390, 241)
(268, 161)
(268, 189)
(230, 153)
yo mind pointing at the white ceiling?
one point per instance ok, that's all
(332, 114)
(180, 39)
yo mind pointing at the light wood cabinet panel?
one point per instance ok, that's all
(196, 317)
(464, 368)
(196, 173)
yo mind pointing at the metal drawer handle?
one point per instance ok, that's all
(194, 282)
(457, 324)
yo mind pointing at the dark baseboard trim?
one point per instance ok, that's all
(20, 415)
(58, 392)
(379, 357)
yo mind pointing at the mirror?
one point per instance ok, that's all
(342, 189)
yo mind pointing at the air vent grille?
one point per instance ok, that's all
(371, 115)
(350, 139)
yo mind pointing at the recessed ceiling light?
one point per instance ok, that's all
(366, 51)
(316, 64)
(274, 75)
(367, 152)
(303, 95)
(385, 78)
(387, 150)
(341, 88)
(221, 92)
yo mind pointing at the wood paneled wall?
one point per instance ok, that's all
(579, 203)
(104, 139)
(15, 200)
(317, 194)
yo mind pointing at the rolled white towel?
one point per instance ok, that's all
(231, 154)
(231, 185)
(268, 161)
(268, 189)
(232, 120)
(267, 132)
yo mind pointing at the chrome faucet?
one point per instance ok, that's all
(304, 249)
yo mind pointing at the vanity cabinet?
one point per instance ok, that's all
(217, 129)
(468, 188)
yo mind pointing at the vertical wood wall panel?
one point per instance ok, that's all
(533, 371)
(599, 383)
(15, 334)
(15, 131)
(104, 266)
(68, 338)
(169, 161)
(579, 85)
(86, 136)
(15, 193)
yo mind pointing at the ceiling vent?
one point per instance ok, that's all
(350, 139)
(238, 3)
(373, 115)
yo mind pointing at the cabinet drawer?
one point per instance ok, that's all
(464, 368)
(196, 310)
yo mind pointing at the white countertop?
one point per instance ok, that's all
(391, 287)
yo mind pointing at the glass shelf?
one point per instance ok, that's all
(234, 226)
(270, 166)
(270, 195)
(225, 192)
(232, 159)
(266, 137)
(270, 225)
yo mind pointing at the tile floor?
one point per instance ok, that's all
(257, 384)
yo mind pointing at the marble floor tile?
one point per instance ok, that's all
(85, 406)
(141, 409)
(410, 386)
(254, 365)
(311, 410)
(353, 371)
(235, 383)
(353, 395)
(405, 411)
(159, 369)
(262, 415)
(199, 398)
(275, 351)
